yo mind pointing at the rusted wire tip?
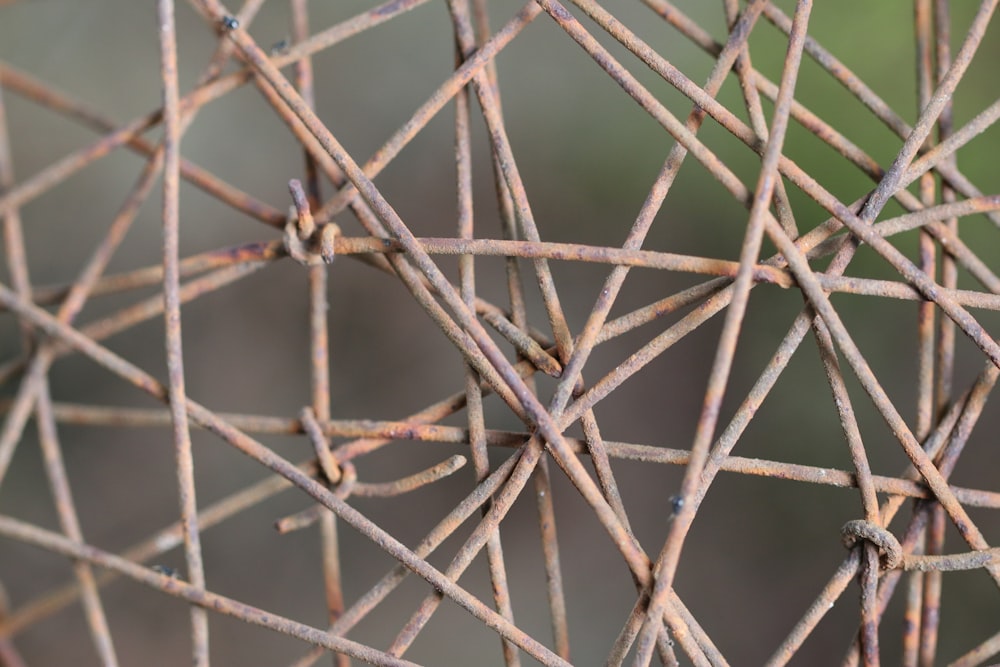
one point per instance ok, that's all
(310, 515)
(412, 482)
(318, 248)
(889, 549)
(525, 344)
(969, 560)
(306, 226)
(306, 242)
(328, 242)
(299, 520)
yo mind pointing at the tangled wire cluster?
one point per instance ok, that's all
(524, 410)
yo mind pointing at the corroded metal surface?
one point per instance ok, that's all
(503, 346)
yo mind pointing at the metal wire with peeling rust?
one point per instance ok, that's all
(503, 348)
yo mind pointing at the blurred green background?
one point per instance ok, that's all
(760, 550)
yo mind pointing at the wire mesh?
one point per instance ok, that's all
(525, 326)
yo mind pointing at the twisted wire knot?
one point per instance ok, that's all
(306, 242)
(889, 549)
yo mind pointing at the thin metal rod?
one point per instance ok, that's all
(172, 324)
(915, 640)
(944, 360)
(669, 557)
(319, 348)
(467, 279)
(989, 648)
(418, 430)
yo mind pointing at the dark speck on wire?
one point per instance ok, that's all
(166, 571)
(280, 47)
(230, 23)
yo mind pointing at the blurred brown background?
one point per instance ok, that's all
(760, 550)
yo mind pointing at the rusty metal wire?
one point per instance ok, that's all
(504, 345)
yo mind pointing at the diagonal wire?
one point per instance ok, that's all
(718, 379)
(751, 97)
(866, 485)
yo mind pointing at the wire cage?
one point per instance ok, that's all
(468, 332)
